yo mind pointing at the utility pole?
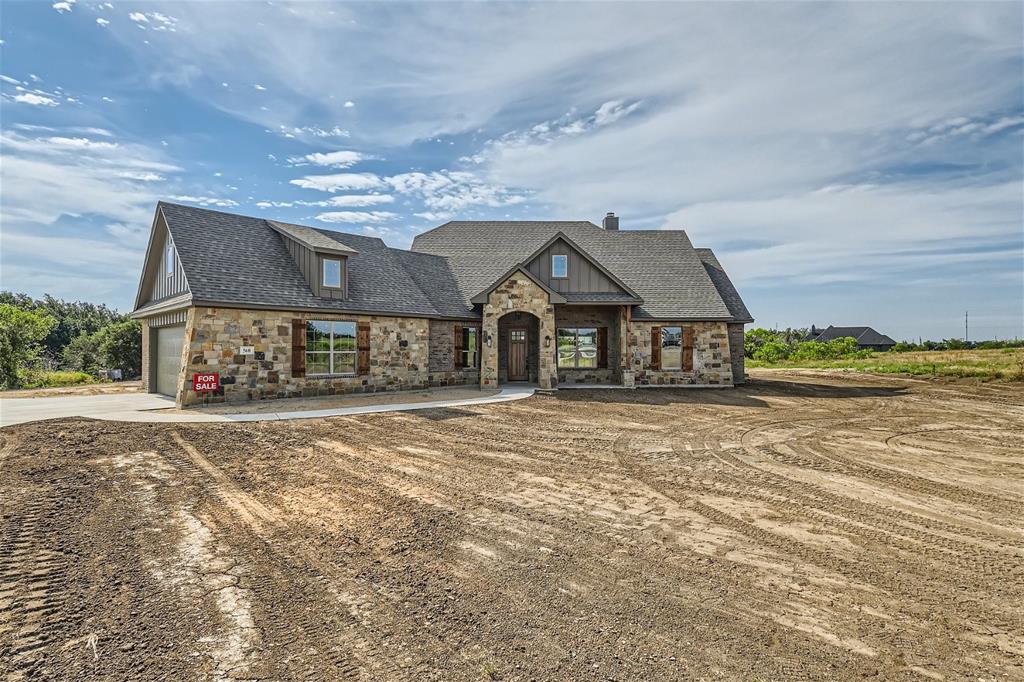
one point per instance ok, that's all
(966, 336)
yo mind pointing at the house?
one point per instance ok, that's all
(280, 310)
(867, 338)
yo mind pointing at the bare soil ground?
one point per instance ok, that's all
(796, 528)
(337, 401)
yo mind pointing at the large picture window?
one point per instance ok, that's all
(470, 341)
(577, 347)
(671, 347)
(330, 347)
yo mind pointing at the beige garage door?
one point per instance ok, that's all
(168, 358)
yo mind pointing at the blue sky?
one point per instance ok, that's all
(849, 163)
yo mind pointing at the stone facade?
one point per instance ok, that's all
(146, 352)
(441, 351)
(592, 316)
(399, 356)
(518, 294)
(736, 351)
(712, 360)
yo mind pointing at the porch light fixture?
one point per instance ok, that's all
(547, 341)
(489, 338)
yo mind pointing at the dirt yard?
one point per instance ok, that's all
(798, 528)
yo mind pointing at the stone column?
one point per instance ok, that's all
(626, 349)
(489, 347)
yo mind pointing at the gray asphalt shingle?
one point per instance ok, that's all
(242, 260)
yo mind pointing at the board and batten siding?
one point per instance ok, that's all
(583, 276)
(309, 262)
(158, 284)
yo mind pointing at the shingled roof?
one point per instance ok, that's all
(661, 266)
(230, 259)
(866, 336)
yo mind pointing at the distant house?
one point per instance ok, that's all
(867, 338)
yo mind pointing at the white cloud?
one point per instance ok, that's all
(349, 104)
(339, 159)
(154, 21)
(102, 22)
(35, 99)
(8, 79)
(142, 176)
(106, 99)
(64, 6)
(355, 217)
(339, 181)
(205, 201)
(354, 200)
(138, 17)
(311, 131)
(448, 193)
(259, 87)
(45, 178)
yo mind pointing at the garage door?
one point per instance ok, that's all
(168, 358)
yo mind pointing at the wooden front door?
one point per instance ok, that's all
(517, 367)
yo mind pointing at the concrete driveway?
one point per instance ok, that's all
(21, 410)
(147, 407)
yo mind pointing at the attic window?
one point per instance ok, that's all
(560, 267)
(332, 273)
(169, 261)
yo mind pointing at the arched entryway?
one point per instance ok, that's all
(518, 347)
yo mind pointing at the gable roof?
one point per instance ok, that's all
(240, 260)
(553, 295)
(660, 266)
(865, 336)
(231, 259)
(311, 238)
(561, 236)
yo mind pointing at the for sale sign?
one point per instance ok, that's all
(206, 383)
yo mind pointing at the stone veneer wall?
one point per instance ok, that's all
(736, 341)
(712, 361)
(518, 293)
(591, 316)
(398, 355)
(442, 356)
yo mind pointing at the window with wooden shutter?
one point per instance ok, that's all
(363, 347)
(655, 347)
(688, 349)
(459, 357)
(602, 347)
(298, 348)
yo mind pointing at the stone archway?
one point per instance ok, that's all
(519, 294)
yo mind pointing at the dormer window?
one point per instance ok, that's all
(169, 261)
(332, 273)
(559, 267)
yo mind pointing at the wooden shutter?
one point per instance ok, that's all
(655, 347)
(688, 349)
(602, 347)
(459, 357)
(363, 347)
(298, 348)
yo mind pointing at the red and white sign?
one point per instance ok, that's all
(203, 383)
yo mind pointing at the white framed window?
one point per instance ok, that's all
(330, 347)
(332, 273)
(559, 266)
(169, 261)
(671, 347)
(577, 347)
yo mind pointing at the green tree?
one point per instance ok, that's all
(74, 318)
(83, 353)
(120, 347)
(21, 332)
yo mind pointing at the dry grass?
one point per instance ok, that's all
(1006, 364)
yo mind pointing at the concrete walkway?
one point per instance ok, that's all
(148, 407)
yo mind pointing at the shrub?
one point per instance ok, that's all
(83, 353)
(772, 352)
(35, 378)
(21, 332)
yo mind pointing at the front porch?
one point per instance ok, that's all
(529, 338)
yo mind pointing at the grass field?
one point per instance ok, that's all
(1006, 364)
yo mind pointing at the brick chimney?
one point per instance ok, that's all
(610, 222)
